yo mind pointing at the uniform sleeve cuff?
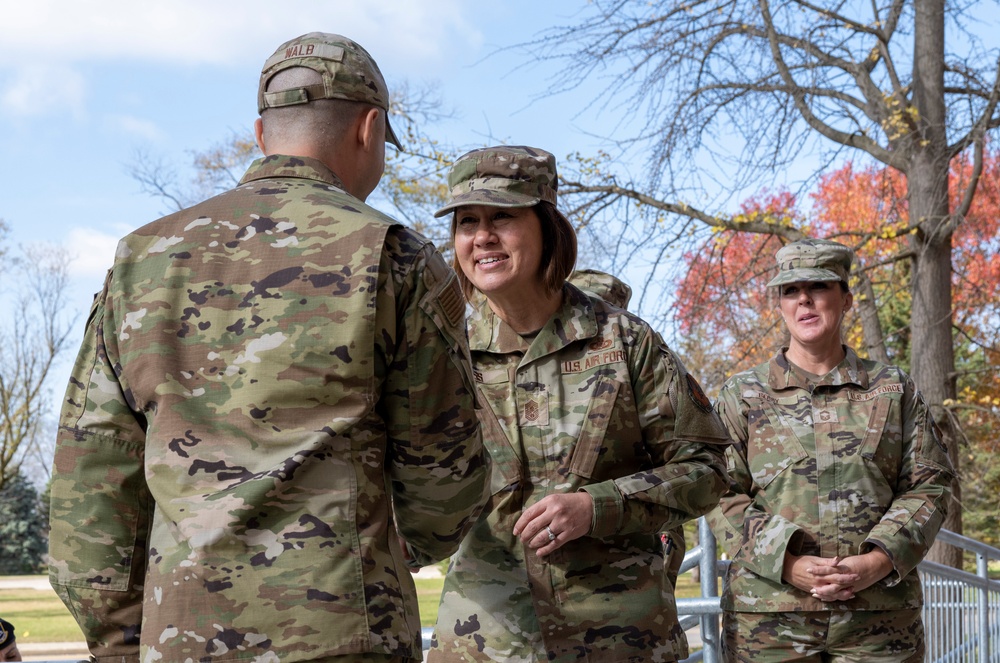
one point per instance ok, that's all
(768, 553)
(609, 505)
(894, 577)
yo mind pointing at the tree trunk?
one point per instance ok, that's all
(933, 355)
(870, 325)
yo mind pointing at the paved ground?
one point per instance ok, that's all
(24, 582)
(65, 652)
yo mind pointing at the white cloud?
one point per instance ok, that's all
(46, 45)
(190, 32)
(135, 126)
(92, 253)
(41, 89)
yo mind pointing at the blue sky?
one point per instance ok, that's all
(86, 83)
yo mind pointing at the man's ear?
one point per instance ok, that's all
(368, 129)
(258, 132)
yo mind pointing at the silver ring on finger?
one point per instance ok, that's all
(552, 536)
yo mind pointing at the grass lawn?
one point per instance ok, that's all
(39, 615)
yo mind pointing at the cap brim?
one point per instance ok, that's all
(804, 274)
(390, 135)
(489, 198)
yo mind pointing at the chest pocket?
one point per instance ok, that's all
(882, 444)
(494, 386)
(588, 446)
(773, 444)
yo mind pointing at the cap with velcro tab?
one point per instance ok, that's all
(348, 71)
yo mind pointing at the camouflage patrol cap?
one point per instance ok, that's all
(600, 284)
(348, 72)
(812, 260)
(503, 176)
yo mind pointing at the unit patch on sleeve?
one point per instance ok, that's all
(697, 395)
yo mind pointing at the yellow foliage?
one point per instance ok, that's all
(901, 120)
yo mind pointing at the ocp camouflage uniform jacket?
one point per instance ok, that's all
(271, 383)
(596, 402)
(834, 467)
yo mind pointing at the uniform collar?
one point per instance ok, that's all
(783, 374)
(284, 166)
(575, 319)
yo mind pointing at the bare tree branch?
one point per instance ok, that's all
(34, 335)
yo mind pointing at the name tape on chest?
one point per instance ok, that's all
(868, 395)
(750, 393)
(591, 360)
(859, 396)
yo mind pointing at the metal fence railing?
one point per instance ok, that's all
(961, 609)
(705, 610)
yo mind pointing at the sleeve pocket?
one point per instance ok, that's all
(98, 498)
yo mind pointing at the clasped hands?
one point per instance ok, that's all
(836, 578)
(554, 520)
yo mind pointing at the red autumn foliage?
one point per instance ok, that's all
(723, 300)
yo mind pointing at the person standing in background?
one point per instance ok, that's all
(839, 484)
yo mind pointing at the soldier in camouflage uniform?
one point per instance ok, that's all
(599, 437)
(272, 414)
(839, 484)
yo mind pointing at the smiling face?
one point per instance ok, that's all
(813, 312)
(500, 251)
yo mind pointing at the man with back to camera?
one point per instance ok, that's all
(272, 400)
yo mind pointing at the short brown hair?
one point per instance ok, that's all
(558, 249)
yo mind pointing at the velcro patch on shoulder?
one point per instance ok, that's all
(697, 394)
(452, 303)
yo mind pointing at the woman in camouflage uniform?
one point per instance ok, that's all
(839, 485)
(599, 438)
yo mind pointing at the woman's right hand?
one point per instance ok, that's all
(555, 520)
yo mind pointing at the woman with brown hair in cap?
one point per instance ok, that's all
(839, 485)
(599, 439)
